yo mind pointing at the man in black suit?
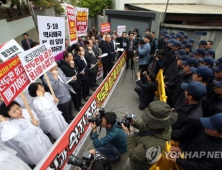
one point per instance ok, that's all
(106, 46)
(26, 42)
(70, 70)
(91, 58)
(123, 42)
(131, 46)
(83, 67)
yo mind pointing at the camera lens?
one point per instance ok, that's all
(92, 119)
(75, 160)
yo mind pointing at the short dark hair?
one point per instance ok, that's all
(66, 54)
(86, 42)
(97, 37)
(123, 32)
(211, 42)
(131, 33)
(110, 118)
(147, 30)
(33, 88)
(152, 76)
(26, 34)
(77, 48)
(101, 164)
(33, 44)
(5, 109)
(136, 30)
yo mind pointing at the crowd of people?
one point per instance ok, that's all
(193, 85)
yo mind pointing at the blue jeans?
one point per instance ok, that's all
(109, 151)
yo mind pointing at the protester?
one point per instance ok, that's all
(62, 91)
(123, 42)
(93, 31)
(30, 138)
(131, 47)
(154, 131)
(51, 118)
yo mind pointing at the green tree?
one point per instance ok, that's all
(95, 6)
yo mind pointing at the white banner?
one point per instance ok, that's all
(52, 30)
(36, 61)
(121, 29)
(10, 49)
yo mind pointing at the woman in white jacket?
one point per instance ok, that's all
(29, 138)
(45, 106)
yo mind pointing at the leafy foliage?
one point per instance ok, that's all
(95, 6)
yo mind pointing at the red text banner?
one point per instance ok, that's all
(78, 131)
(13, 79)
(82, 21)
(71, 19)
(105, 27)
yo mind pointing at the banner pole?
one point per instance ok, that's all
(26, 104)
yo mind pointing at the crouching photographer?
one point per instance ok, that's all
(114, 143)
(99, 162)
(145, 147)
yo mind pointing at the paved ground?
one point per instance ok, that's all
(123, 99)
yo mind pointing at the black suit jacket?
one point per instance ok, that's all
(91, 59)
(107, 48)
(82, 65)
(121, 40)
(134, 45)
(25, 45)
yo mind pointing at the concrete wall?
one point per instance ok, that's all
(15, 29)
(210, 2)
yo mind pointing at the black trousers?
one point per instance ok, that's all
(76, 98)
(106, 69)
(130, 55)
(92, 79)
(85, 88)
(66, 110)
(142, 106)
(143, 68)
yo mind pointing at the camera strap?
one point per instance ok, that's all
(96, 135)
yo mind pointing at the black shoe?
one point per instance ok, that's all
(89, 94)
(81, 105)
(86, 99)
(93, 88)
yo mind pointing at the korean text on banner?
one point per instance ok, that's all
(100, 70)
(37, 61)
(71, 19)
(82, 21)
(105, 27)
(10, 49)
(13, 79)
(121, 29)
(52, 30)
(78, 131)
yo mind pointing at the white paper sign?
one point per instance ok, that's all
(52, 30)
(36, 61)
(10, 49)
(121, 29)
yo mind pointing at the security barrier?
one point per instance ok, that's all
(161, 89)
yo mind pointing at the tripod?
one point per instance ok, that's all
(133, 70)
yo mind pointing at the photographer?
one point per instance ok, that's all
(114, 143)
(146, 90)
(155, 129)
(157, 61)
(99, 162)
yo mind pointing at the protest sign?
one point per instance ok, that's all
(82, 21)
(10, 49)
(71, 20)
(77, 132)
(100, 70)
(105, 27)
(13, 79)
(121, 29)
(52, 30)
(37, 61)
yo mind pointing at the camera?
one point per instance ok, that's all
(126, 121)
(98, 118)
(83, 163)
(157, 53)
(141, 42)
